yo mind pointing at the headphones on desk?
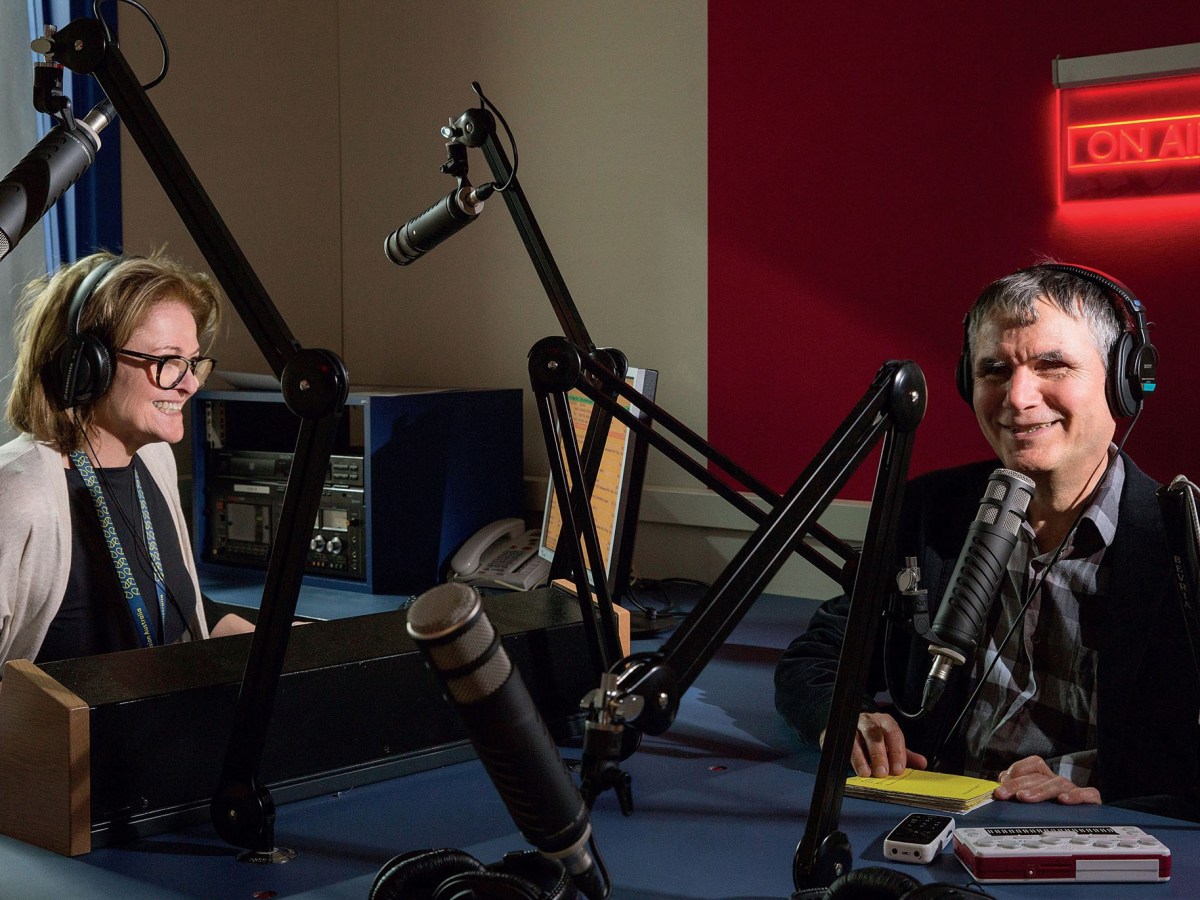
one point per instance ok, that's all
(82, 368)
(1132, 364)
(448, 874)
(879, 883)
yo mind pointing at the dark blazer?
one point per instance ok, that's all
(1148, 692)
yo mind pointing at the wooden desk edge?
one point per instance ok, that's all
(45, 762)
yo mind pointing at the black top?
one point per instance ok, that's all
(94, 616)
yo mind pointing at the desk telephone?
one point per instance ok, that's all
(503, 554)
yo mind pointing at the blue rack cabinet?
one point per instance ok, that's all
(436, 465)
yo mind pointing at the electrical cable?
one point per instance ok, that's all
(162, 40)
(512, 141)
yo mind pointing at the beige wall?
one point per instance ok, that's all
(314, 127)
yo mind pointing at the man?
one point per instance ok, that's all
(1094, 695)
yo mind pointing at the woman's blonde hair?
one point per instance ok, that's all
(118, 305)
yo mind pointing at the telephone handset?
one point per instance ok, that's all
(502, 554)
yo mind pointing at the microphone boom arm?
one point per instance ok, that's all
(476, 128)
(315, 387)
(646, 689)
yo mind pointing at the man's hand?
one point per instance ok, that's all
(1031, 781)
(879, 748)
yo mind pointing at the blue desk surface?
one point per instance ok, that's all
(245, 588)
(720, 805)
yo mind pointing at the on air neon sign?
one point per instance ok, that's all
(1137, 142)
(1130, 140)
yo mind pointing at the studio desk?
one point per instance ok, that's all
(719, 800)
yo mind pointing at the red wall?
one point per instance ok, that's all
(871, 167)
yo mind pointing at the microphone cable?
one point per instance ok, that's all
(512, 141)
(162, 40)
(935, 757)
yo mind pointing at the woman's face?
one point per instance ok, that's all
(136, 411)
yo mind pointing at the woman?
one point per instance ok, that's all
(94, 549)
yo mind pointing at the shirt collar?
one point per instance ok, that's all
(1098, 525)
(1103, 511)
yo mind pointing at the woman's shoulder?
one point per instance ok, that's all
(23, 458)
(27, 471)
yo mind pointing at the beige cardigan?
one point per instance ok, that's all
(35, 539)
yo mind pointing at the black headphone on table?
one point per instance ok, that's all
(880, 883)
(82, 369)
(447, 874)
(1132, 365)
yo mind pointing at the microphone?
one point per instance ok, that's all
(458, 641)
(38, 180)
(981, 565)
(447, 217)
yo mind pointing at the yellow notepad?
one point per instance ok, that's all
(930, 790)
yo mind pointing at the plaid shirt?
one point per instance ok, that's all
(1040, 698)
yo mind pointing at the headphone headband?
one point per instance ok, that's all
(1133, 363)
(84, 365)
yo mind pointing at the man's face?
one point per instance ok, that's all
(1039, 394)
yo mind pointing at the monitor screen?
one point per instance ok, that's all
(618, 485)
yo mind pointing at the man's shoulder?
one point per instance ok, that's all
(942, 484)
(939, 507)
(1136, 480)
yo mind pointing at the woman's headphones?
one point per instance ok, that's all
(1132, 365)
(82, 369)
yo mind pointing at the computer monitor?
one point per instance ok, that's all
(618, 490)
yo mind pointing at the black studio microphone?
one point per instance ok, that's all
(458, 642)
(38, 180)
(981, 565)
(446, 218)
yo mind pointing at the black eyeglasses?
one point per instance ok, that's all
(170, 370)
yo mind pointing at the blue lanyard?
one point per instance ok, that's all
(133, 596)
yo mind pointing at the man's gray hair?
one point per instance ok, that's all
(1015, 298)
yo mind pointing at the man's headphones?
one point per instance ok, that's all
(82, 369)
(1133, 364)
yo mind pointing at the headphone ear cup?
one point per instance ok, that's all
(964, 380)
(548, 876)
(941, 891)
(416, 875)
(86, 368)
(83, 368)
(874, 883)
(486, 885)
(1124, 389)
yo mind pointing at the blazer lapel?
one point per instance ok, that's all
(1139, 575)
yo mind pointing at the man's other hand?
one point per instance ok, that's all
(1030, 780)
(879, 748)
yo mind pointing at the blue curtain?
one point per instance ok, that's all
(88, 217)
